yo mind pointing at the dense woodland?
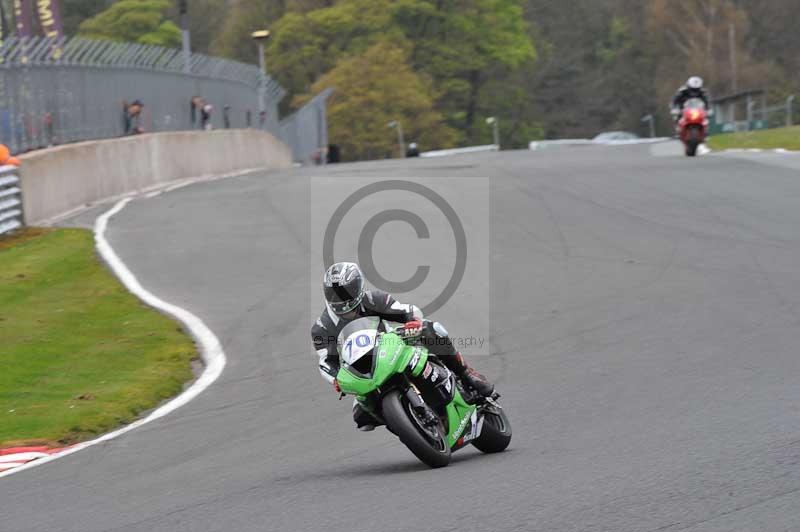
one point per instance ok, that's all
(544, 68)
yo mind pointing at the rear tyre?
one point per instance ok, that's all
(496, 433)
(428, 444)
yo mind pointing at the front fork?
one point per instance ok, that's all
(413, 396)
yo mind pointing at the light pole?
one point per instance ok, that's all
(651, 120)
(400, 140)
(183, 8)
(261, 36)
(492, 121)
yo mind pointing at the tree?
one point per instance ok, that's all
(462, 45)
(307, 45)
(566, 86)
(773, 37)
(707, 38)
(204, 21)
(76, 11)
(140, 21)
(241, 20)
(374, 88)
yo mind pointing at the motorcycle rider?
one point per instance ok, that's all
(692, 89)
(348, 300)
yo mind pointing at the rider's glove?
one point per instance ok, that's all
(336, 386)
(411, 328)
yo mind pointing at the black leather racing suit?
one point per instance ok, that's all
(325, 331)
(686, 93)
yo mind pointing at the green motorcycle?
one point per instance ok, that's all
(418, 399)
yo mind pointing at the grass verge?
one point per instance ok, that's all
(79, 354)
(767, 139)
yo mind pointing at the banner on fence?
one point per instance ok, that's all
(50, 18)
(23, 17)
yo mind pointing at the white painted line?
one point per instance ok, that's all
(21, 457)
(210, 347)
(148, 192)
(703, 150)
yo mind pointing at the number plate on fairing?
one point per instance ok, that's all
(358, 344)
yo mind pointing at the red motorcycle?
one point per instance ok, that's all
(693, 125)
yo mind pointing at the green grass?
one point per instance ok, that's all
(79, 355)
(768, 139)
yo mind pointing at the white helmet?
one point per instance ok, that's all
(695, 82)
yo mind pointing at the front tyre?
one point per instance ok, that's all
(693, 141)
(496, 433)
(428, 444)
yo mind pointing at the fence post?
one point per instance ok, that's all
(789, 102)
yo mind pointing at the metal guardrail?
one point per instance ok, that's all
(545, 144)
(10, 200)
(459, 151)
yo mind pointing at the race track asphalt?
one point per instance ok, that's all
(646, 342)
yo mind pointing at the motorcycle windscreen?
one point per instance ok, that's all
(356, 344)
(694, 103)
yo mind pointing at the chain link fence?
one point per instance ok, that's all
(306, 131)
(749, 111)
(55, 91)
(767, 117)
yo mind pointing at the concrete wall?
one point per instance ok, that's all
(58, 180)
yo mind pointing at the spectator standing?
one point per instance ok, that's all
(48, 125)
(125, 106)
(131, 116)
(333, 154)
(205, 116)
(193, 110)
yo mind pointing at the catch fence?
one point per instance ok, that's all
(55, 91)
(749, 110)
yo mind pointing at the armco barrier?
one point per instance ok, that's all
(10, 200)
(459, 151)
(59, 180)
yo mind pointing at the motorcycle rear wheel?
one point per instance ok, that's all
(431, 450)
(496, 432)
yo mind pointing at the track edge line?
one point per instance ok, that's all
(210, 347)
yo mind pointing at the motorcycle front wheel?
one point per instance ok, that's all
(693, 141)
(429, 444)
